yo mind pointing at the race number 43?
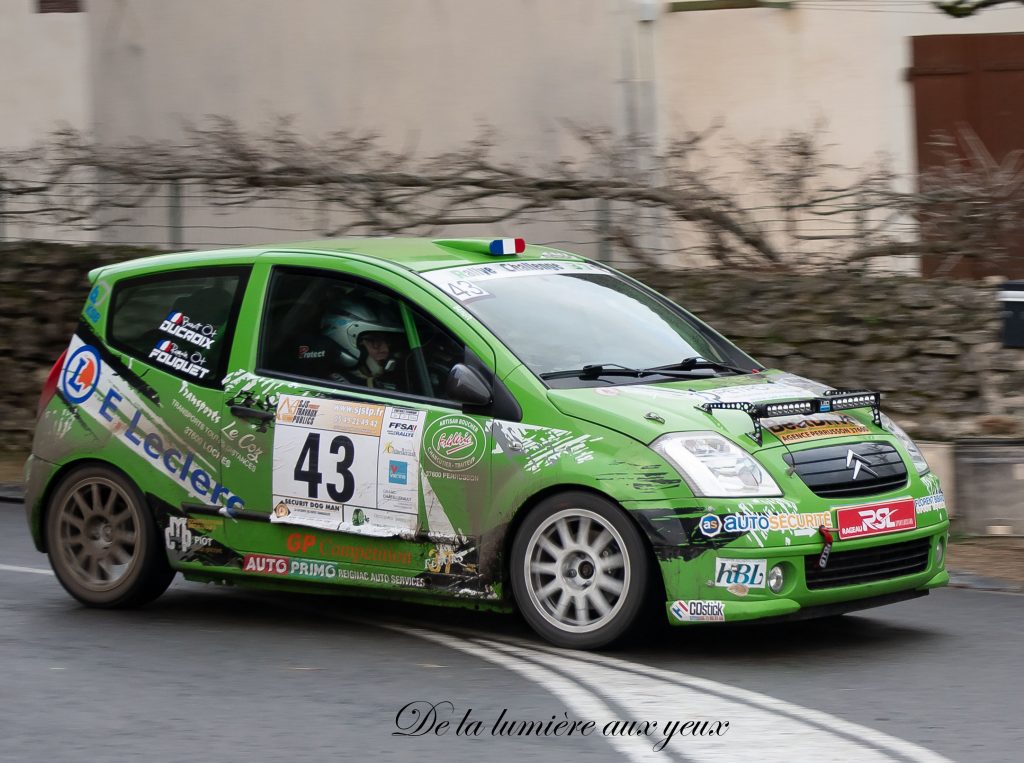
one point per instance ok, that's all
(338, 460)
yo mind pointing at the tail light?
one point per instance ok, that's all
(50, 387)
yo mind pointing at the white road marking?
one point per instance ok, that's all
(14, 568)
(586, 705)
(760, 727)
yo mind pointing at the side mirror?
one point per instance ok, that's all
(466, 385)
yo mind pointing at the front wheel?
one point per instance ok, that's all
(103, 543)
(579, 570)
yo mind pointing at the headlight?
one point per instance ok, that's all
(714, 466)
(916, 456)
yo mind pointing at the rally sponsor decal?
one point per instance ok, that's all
(877, 518)
(169, 354)
(711, 525)
(738, 575)
(102, 394)
(343, 465)
(97, 296)
(699, 611)
(201, 335)
(935, 502)
(320, 570)
(463, 283)
(182, 534)
(445, 558)
(325, 545)
(791, 429)
(81, 374)
(455, 443)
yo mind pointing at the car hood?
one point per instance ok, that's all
(647, 411)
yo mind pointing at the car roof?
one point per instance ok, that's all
(416, 254)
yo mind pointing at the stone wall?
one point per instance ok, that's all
(42, 290)
(932, 348)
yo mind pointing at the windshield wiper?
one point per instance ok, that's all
(675, 370)
(691, 364)
(595, 371)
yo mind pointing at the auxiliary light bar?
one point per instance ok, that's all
(831, 400)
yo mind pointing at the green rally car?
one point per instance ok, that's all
(463, 421)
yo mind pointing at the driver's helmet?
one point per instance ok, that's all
(346, 325)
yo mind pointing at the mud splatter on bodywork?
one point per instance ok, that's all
(541, 446)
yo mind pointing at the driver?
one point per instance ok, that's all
(369, 344)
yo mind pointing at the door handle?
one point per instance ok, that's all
(253, 413)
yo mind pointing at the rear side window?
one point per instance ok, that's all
(179, 322)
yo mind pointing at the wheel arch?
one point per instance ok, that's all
(531, 503)
(38, 528)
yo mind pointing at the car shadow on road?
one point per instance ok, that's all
(654, 639)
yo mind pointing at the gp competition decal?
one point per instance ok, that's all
(346, 466)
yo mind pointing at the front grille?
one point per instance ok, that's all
(868, 564)
(830, 472)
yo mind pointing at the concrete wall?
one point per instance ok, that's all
(426, 76)
(44, 81)
(43, 74)
(840, 64)
(765, 71)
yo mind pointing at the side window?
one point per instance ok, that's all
(179, 322)
(331, 329)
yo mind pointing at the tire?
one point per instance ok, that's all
(579, 570)
(103, 542)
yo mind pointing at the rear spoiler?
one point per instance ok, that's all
(831, 400)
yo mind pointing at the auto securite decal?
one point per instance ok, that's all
(342, 465)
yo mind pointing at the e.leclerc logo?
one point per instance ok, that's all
(81, 374)
(455, 443)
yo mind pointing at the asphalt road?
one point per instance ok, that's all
(215, 674)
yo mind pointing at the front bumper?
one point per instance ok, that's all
(694, 597)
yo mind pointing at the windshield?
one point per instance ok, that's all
(557, 316)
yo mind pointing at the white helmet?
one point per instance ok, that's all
(346, 326)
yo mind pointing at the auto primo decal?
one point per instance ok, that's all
(455, 443)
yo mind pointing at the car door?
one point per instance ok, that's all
(350, 458)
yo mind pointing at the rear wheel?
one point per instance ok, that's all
(103, 543)
(579, 570)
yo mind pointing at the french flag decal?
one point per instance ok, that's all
(177, 318)
(165, 346)
(507, 246)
